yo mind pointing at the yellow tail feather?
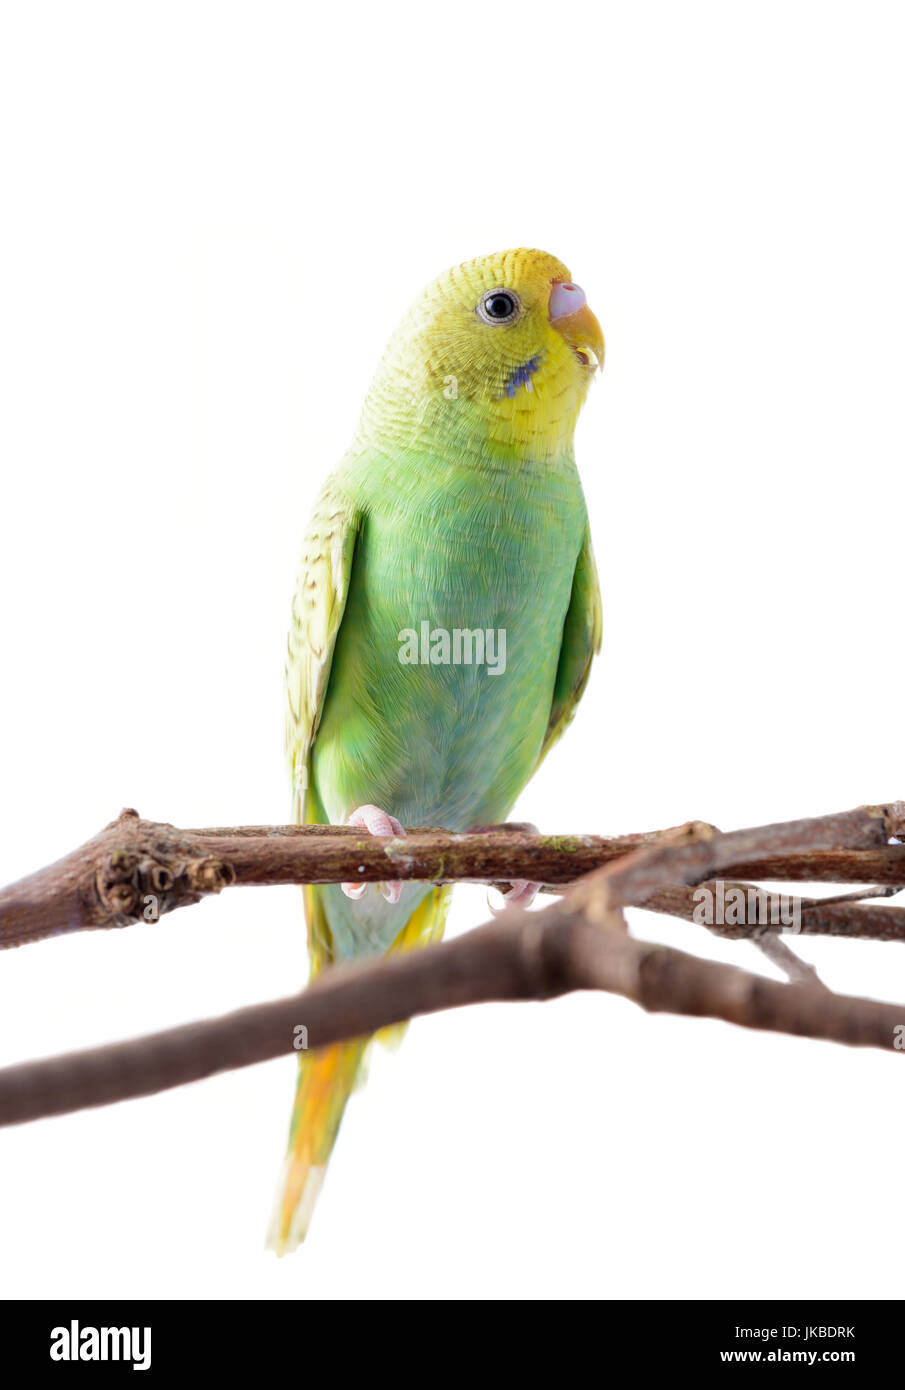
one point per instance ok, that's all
(327, 1078)
(425, 926)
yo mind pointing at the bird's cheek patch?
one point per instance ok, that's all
(521, 376)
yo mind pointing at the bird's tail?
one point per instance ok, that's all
(326, 1080)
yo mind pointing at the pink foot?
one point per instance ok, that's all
(522, 893)
(376, 822)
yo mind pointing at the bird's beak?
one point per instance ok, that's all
(570, 316)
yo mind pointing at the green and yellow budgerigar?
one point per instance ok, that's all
(445, 619)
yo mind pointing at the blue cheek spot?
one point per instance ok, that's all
(521, 376)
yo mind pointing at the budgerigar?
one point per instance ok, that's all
(445, 619)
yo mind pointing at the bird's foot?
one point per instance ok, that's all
(522, 891)
(376, 822)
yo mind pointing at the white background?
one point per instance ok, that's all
(213, 215)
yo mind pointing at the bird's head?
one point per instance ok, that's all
(501, 349)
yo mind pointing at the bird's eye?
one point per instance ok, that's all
(499, 306)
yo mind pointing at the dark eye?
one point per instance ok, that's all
(499, 306)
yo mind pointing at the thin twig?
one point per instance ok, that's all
(844, 914)
(798, 971)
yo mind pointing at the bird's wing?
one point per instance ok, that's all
(580, 642)
(317, 611)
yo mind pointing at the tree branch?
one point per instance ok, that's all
(136, 869)
(521, 956)
(577, 943)
(836, 915)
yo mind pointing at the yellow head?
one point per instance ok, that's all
(501, 349)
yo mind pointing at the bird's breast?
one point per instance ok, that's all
(443, 671)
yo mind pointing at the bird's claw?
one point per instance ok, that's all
(521, 894)
(522, 891)
(376, 822)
